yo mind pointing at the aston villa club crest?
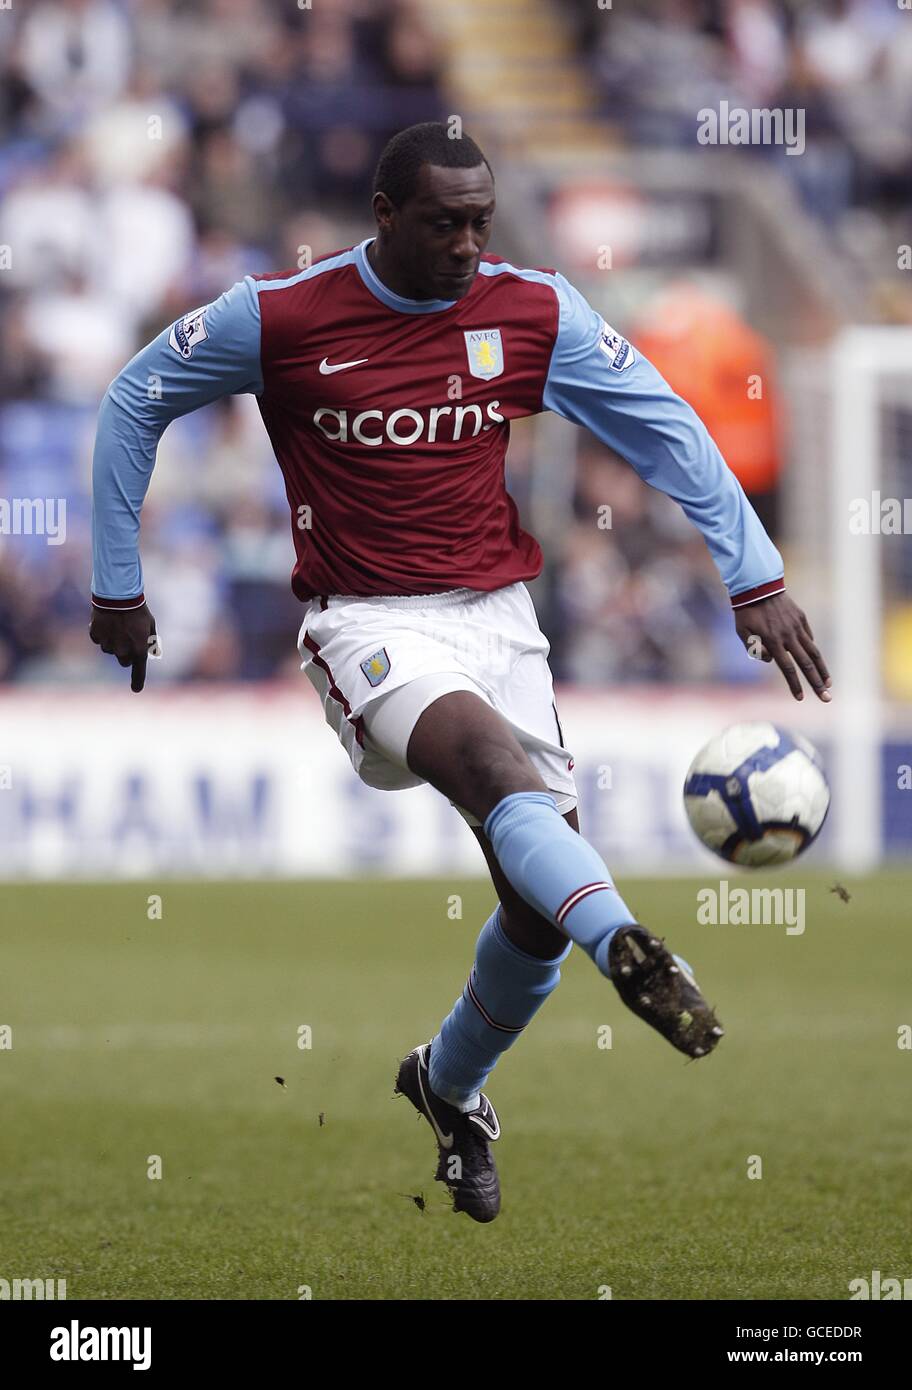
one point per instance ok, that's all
(485, 350)
(376, 667)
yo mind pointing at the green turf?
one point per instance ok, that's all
(624, 1167)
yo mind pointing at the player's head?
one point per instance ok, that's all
(434, 203)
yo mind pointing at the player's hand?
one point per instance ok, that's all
(129, 635)
(775, 629)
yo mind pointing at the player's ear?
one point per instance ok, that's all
(383, 211)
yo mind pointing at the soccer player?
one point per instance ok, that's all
(387, 376)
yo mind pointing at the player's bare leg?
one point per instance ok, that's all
(525, 927)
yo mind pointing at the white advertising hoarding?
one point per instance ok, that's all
(248, 782)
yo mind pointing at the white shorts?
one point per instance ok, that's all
(377, 663)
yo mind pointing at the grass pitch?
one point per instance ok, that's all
(624, 1167)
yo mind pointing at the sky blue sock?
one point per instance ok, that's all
(557, 871)
(505, 990)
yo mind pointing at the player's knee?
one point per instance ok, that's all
(494, 770)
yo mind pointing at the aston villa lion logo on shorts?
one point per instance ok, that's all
(485, 350)
(376, 667)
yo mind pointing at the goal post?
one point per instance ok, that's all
(871, 376)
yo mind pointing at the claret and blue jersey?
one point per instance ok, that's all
(390, 420)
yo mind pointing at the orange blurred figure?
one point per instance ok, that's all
(726, 371)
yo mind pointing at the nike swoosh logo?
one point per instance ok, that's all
(486, 1121)
(445, 1140)
(327, 370)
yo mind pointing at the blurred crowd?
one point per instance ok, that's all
(846, 64)
(155, 151)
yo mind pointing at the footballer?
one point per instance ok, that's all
(387, 376)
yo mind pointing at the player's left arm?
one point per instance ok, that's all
(597, 379)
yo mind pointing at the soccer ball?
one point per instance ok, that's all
(757, 795)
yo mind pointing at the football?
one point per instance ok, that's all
(757, 795)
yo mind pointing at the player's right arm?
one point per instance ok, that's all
(211, 352)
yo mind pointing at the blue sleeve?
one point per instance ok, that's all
(212, 351)
(597, 379)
